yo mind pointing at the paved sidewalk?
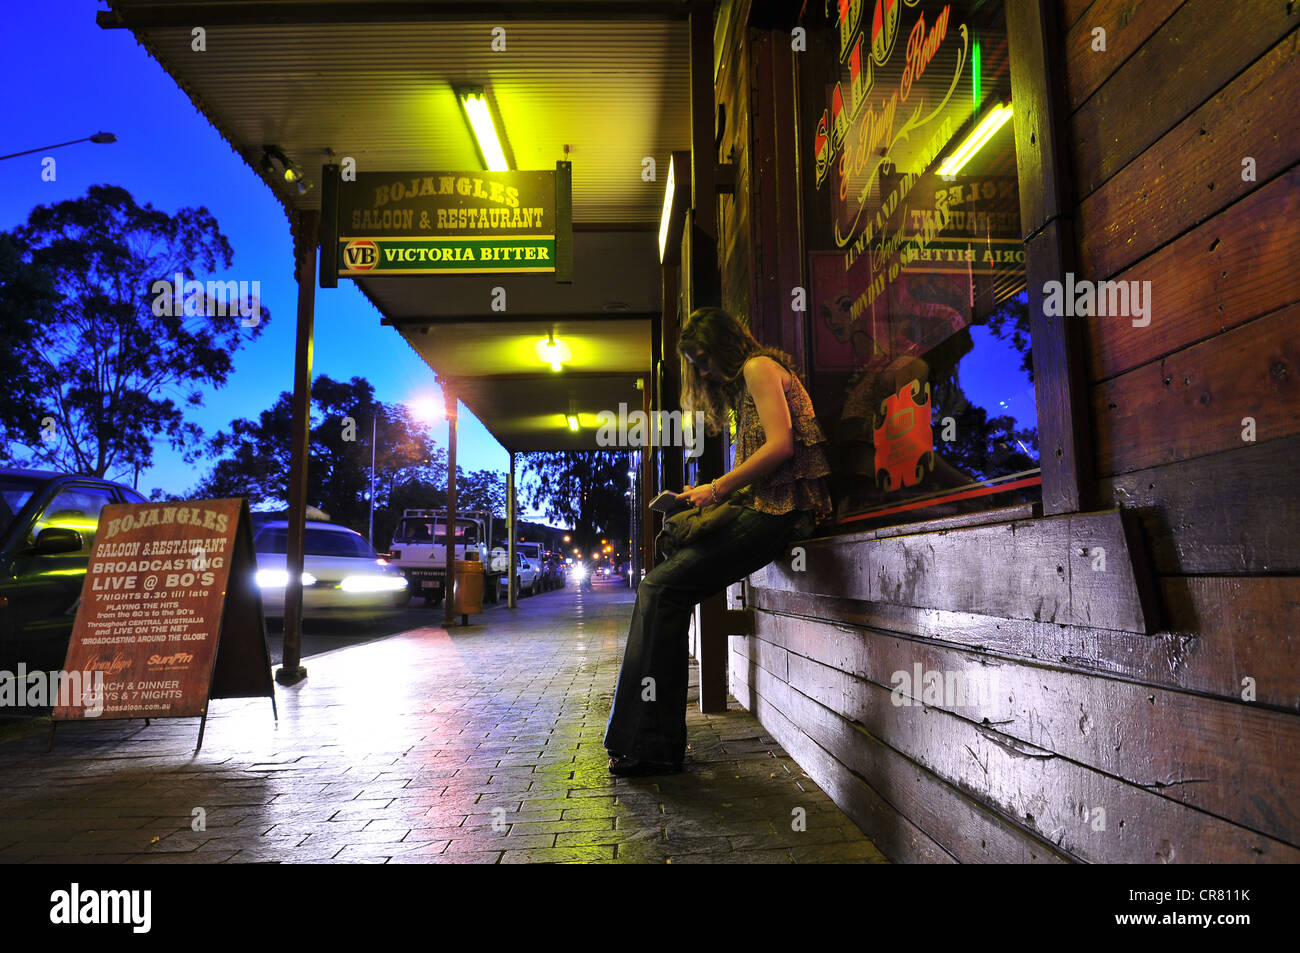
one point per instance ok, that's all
(482, 746)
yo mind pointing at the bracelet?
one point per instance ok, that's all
(713, 487)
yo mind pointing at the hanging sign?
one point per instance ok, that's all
(448, 223)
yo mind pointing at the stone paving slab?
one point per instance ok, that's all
(478, 745)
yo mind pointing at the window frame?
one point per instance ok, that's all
(1037, 79)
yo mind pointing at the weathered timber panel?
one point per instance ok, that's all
(891, 831)
(1235, 267)
(1191, 57)
(1071, 10)
(1231, 512)
(1181, 747)
(736, 251)
(1193, 402)
(1221, 629)
(1195, 170)
(968, 831)
(1127, 24)
(1031, 569)
(1052, 796)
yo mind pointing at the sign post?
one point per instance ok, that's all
(170, 615)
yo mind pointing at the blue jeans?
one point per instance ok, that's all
(648, 718)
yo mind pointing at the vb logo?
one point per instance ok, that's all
(360, 255)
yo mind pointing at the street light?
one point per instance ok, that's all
(423, 409)
(99, 137)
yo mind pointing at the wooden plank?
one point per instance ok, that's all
(1060, 388)
(1053, 797)
(1194, 171)
(1037, 85)
(1127, 24)
(1235, 267)
(889, 829)
(1071, 10)
(892, 833)
(1193, 402)
(1194, 54)
(964, 828)
(1221, 629)
(1226, 513)
(1233, 760)
(1017, 570)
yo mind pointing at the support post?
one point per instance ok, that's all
(648, 492)
(705, 288)
(512, 514)
(305, 239)
(449, 580)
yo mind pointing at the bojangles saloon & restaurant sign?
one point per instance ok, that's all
(423, 223)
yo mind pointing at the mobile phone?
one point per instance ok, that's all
(667, 502)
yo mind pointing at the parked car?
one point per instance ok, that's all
(48, 523)
(528, 575)
(342, 574)
(533, 553)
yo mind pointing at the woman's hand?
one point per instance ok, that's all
(698, 496)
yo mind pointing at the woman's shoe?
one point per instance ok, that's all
(625, 766)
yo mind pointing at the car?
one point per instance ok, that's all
(529, 578)
(48, 523)
(342, 573)
(533, 553)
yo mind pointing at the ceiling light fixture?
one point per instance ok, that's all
(552, 352)
(982, 133)
(474, 104)
(666, 215)
(290, 172)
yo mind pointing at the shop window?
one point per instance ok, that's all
(918, 316)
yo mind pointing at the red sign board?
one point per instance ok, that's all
(170, 613)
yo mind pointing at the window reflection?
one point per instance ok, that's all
(921, 357)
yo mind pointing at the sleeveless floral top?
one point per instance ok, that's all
(800, 482)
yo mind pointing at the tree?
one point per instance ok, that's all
(410, 468)
(26, 293)
(481, 490)
(583, 489)
(120, 351)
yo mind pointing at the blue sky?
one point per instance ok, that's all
(70, 79)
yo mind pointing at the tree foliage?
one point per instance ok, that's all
(410, 468)
(108, 366)
(586, 490)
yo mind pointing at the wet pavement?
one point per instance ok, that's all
(478, 745)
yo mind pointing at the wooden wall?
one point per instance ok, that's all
(1101, 744)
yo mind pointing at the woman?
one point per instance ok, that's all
(780, 456)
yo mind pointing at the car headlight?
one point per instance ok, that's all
(373, 582)
(279, 578)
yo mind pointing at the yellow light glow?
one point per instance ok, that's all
(667, 212)
(480, 121)
(573, 423)
(553, 352)
(981, 134)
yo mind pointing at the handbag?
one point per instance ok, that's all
(690, 526)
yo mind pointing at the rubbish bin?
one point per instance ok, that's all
(467, 588)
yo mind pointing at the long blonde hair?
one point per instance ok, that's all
(724, 344)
